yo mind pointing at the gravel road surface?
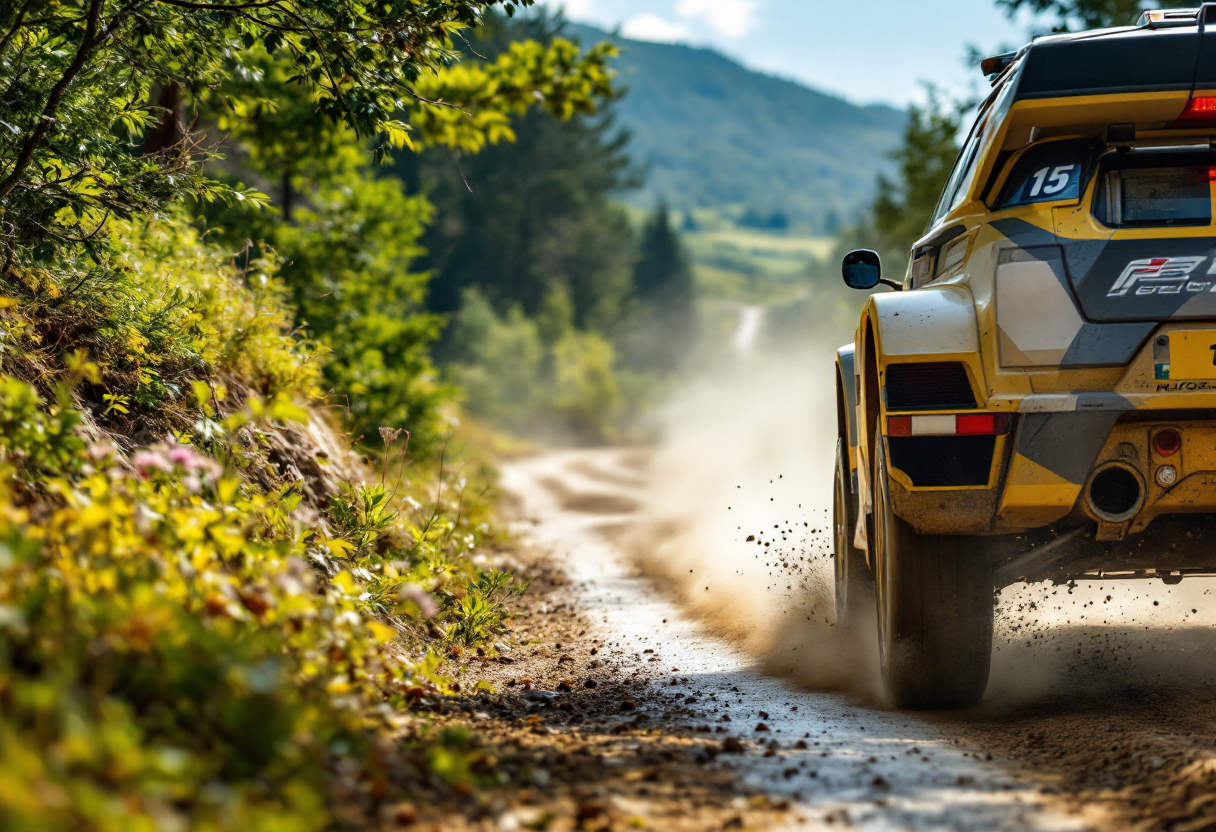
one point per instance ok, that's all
(839, 759)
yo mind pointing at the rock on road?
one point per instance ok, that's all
(838, 760)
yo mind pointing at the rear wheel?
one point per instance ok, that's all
(854, 581)
(935, 605)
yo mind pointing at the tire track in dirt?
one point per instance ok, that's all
(1105, 692)
(838, 759)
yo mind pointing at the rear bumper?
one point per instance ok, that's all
(1041, 474)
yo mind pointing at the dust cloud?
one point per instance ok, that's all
(738, 514)
(1103, 641)
(738, 528)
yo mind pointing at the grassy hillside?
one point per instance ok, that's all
(759, 149)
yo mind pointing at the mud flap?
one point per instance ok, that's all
(865, 507)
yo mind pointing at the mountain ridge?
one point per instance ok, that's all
(711, 133)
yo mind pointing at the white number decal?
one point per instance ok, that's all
(1053, 184)
(1039, 176)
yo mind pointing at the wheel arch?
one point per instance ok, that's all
(933, 324)
(846, 395)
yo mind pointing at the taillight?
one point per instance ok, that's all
(960, 424)
(1199, 112)
(1167, 442)
(981, 423)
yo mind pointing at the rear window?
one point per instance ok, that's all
(1155, 189)
(1050, 172)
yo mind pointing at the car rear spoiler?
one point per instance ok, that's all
(1174, 55)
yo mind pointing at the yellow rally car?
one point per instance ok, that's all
(1037, 401)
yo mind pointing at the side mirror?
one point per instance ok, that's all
(863, 270)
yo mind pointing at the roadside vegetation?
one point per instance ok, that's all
(240, 551)
(259, 265)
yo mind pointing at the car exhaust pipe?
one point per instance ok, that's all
(1115, 492)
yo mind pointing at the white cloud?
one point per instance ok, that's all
(655, 28)
(574, 9)
(578, 8)
(732, 18)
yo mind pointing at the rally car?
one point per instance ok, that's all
(1037, 400)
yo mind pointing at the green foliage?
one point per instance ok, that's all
(663, 327)
(168, 657)
(480, 98)
(169, 309)
(349, 238)
(519, 219)
(479, 614)
(84, 81)
(1091, 14)
(352, 285)
(362, 514)
(903, 207)
(537, 375)
(33, 442)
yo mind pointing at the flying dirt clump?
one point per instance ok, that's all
(738, 525)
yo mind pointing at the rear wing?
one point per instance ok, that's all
(1168, 52)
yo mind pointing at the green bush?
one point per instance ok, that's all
(170, 657)
(350, 279)
(539, 375)
(169, 308)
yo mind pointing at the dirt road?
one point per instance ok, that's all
(712, 551)
(838, 759)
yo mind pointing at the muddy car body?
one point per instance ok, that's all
(1038, 399)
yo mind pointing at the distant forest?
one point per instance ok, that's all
(764, 152)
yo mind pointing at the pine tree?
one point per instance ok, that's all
(662, 274)
(521, 218)
(903, 207)
(663, 285)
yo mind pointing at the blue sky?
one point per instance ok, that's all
(865, 50)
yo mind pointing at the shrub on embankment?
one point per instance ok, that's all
(211, 615)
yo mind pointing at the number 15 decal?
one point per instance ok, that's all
(1050, 185)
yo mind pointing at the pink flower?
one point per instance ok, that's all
(100, 451)
(169, 458)
(420, 598)
(146, 462)
(183, 456)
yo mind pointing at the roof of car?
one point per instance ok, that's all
(1178, 54)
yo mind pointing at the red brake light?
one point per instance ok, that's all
(1199, 112)
(982, 424)
(970, 425)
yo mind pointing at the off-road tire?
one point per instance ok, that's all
(935, 602)
(854, 580)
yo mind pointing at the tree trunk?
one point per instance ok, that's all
(171, 128)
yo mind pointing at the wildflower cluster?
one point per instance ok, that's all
(180, 648)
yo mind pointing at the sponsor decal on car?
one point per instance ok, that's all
(1185, 386)
(1160, 275)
